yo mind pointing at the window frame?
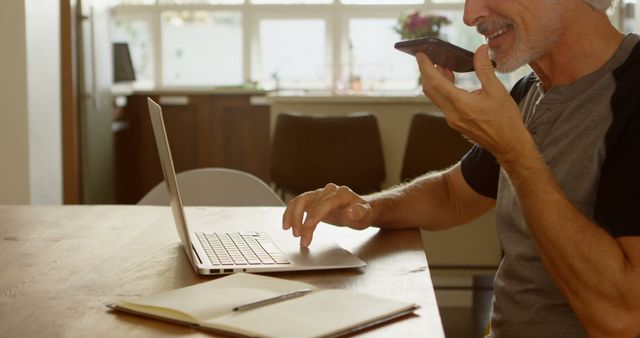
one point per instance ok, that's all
(336, 16)
(275, 12)
(154, 32)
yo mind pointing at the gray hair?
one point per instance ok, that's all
(599, 4)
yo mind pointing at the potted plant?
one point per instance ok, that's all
(415, 24)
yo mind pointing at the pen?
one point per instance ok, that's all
(275, 299)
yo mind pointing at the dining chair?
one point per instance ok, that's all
(309, 151)
(216, 187)
(431, 145)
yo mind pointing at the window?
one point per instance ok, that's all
(195, 2)
(630, 18)
(137, 34)
(293, 53)
(131, 2)
(290, 2)
(288, 44)
(374, 61)
(202, 48)
(381, 2)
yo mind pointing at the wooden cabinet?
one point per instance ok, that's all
(204, 130)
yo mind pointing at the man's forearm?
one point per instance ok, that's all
(587, 264)
(427, 202)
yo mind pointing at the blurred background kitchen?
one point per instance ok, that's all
(75, 75)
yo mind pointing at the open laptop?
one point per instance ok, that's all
(231, 247)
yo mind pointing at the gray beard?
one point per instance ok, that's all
(544, 36)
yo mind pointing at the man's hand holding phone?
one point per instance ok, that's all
(488, 116)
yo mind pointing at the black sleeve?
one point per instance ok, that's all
(618, 201)
(617, 206)
(481, 171)
(480, 168)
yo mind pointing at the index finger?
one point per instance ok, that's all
(325, 206)
(296, 207)
(485, 71)
(439, 82)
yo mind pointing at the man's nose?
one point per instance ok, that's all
(474, 11)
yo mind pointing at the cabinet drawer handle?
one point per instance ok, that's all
(258, 100)
(173, 100)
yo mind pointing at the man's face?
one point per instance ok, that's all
(517, 31)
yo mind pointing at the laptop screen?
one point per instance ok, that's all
(162, 142)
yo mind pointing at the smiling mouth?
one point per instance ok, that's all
(497, 33)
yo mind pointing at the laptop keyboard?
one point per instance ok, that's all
(240, 248)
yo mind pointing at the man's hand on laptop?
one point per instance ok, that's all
(332, 204)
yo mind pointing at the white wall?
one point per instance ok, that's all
(43, 85)
(14, 146)
(637, 16)
(30, 131)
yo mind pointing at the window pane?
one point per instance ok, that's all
(378, 65)
(297, 61)
(202, 48)
(630, 22)
(458, 32)
(381, 2)
(374, 60)
(137, 34)
(290, 2)
(464, 36)
(131, 2)
(211, 2)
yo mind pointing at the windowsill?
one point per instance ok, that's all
(126, 89)
(327, 96)
(300, 95)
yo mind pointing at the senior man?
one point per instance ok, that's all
(559, 158)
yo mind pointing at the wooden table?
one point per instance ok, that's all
(62, 264)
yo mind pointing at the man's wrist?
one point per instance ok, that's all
(375, 203)
(374, 215)
(518, 153)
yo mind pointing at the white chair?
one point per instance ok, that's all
(216, 187)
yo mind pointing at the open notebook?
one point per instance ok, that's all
(318, 313)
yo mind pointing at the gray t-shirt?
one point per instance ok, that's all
(568, 124)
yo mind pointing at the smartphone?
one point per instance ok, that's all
(440, 52)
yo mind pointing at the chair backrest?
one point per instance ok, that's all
(307, 152)
(431, 145)
(216, 187)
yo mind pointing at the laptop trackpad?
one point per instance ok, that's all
(323, 251)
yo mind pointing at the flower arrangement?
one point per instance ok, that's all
(415, 25)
